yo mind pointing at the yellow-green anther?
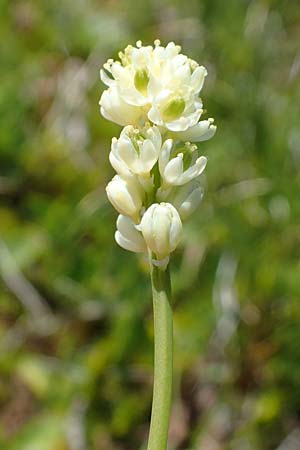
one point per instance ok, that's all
(174, 109)
(141, 80)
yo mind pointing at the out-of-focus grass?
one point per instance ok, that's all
(75, 310)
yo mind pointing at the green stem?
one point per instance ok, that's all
(163, 359)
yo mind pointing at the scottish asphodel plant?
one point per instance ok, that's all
(153, 92)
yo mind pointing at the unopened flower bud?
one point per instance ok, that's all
(125, 195)
(162, 228)
(128, 237)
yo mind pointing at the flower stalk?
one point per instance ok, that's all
(163, 358)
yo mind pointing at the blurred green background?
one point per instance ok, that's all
(75, 310)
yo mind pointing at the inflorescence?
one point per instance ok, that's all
(153, 92)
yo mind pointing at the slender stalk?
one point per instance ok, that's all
(163, 359)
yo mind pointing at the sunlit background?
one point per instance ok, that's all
(75, 309)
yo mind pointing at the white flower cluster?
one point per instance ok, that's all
(154, 93)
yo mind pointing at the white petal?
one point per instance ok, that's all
(204, 130)
(148, 156)
(127, 152)
(118, 165)
(183, 75)
(194, 171)
(120, 73)
(128, 244)
(165, 155)
(191, 203)
(184, 122)
(161, 231)
(107, 116)
(153, 133)
(154, 116)
(179, 60)
(146, 226)
(128, 235)
(171, 50)
(115, 109)
(175, 231)
(163, 96)
(133, 97)
(154, 86)
(197, 78)
(174, 169)
(209, 134)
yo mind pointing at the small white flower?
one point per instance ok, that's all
(183, 167)
(128, 237)
(187, 199)
(136, 150)
(202, 131)
(162, 228)
(125, 195)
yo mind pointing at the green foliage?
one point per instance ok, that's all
(75, 310)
